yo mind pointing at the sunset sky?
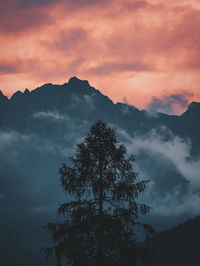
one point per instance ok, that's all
(144, 53)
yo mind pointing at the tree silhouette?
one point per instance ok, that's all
(98, 226)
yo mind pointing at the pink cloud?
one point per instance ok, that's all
(141, 49)
(14, 20)
(17, 66)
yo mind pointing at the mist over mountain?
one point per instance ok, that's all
(38, 132)
(78, 100)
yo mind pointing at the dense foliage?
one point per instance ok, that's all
(98, 225)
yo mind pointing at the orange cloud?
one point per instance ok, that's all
(140, 50)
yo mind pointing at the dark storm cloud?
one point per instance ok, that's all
(169, 104)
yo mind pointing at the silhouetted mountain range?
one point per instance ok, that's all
(80, 101)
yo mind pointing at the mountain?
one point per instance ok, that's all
(80, 101)
(3, 99)
(38, 132)
(178, 246)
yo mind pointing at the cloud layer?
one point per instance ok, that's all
(170, 104)
(134, 49)
(174, 189)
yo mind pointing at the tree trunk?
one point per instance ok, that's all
(100, 229)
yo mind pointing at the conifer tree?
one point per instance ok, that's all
(97, 227)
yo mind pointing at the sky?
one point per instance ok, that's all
(145, 53)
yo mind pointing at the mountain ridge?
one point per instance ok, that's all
(74, 83)
(79, 100)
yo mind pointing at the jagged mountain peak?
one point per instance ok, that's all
(3, 98)
(193, 109)
(194, 105)
(16, 95)
(1, 94)
(56, 95)
(74, 81)
(26, 92)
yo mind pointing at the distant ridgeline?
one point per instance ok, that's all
(79, 101)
